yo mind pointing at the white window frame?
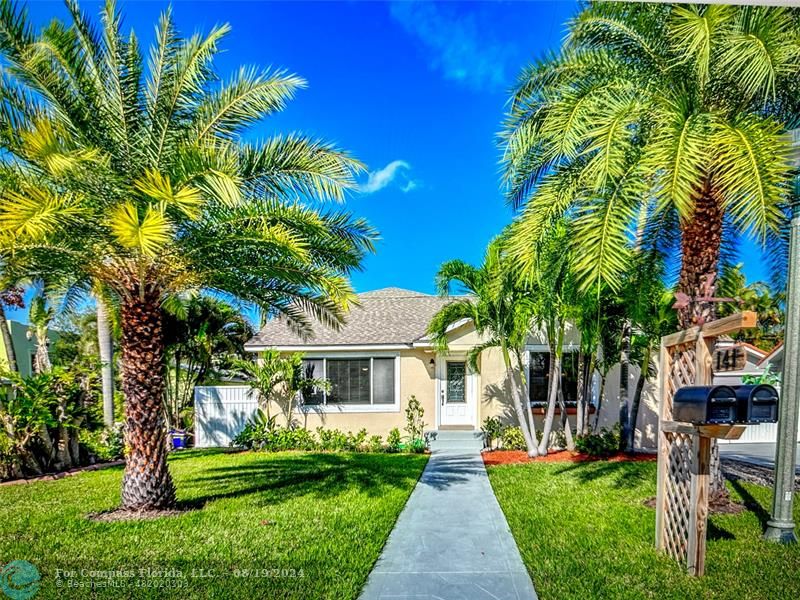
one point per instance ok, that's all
(355, 408)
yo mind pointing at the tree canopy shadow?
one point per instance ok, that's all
(624, 474)
(275, 479)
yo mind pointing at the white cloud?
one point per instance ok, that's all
(463, 49)
(397, 170)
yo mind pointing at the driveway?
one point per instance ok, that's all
(761, 454)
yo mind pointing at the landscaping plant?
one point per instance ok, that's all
(141, 178)
(501, 307)
(415, 426)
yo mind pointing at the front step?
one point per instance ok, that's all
(455, 440)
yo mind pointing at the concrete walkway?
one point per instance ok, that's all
(452, 541)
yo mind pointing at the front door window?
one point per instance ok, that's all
(456, 382)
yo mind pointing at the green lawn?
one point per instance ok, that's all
(584, 532)
(304, 525)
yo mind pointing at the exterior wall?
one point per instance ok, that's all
(495, 400)
(416, 378)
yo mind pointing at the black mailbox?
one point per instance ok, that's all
(757, 403)
(705, 404)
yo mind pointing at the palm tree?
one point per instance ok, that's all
(40, 314)
(501, 309)
(281, 379)
(105, 345)
(203, 335)
(680, 107)
(139, 179)
(757, 297)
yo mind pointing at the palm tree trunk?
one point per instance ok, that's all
(147, 484)
(581, 393)
(701, 239)
(624, 368)
(525, 394)
(42, 356)
(555, 368)
(565, 425)
(106, 346)
(599, 402)
(637, 400)
(523, 425)
(5, 331)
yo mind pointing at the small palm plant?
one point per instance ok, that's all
(137, 178)
(501, 309)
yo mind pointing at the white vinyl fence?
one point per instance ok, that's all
(220, 412)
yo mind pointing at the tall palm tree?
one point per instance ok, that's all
(138, 178)
(681, 107)
(105, 346)
(501, 309)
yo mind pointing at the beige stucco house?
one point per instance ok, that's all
(381, 356)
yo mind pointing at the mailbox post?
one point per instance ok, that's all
(780, 527)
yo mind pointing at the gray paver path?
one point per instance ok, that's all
(452, 541)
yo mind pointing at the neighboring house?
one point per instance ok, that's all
(381, 356)
(24, 348)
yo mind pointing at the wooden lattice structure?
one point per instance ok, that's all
(684, 450)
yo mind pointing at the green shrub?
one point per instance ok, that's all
(331, 440)
(560, 439)
(393, 441)
(375, 443)
(356, 443)
(513, 439)
(492, 430)
(104, 444)
(416, 446)
(604, 443)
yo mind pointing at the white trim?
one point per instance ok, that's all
(356, 408)
(338, 348)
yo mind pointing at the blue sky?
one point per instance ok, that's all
(417, 91)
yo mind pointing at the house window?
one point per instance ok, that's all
(539, 377)
(353, 381)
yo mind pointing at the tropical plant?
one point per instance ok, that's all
(492, 428)
(43, 418)
(648, 306)
(203, 335)
(139, 179)
(555, 301)
(500, 306)
(680, 110)
(393, 440)
(281, 379)
(512, 438)
(415, 426)
(758, 297)
(40, 315)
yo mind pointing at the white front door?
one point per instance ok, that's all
(458, 392)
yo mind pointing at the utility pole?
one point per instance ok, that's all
(780, 527)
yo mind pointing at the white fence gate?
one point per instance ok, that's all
(220, 412)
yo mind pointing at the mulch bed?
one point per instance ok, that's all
(62, 474)
(509, 457)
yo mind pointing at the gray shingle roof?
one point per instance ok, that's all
(385, 316)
